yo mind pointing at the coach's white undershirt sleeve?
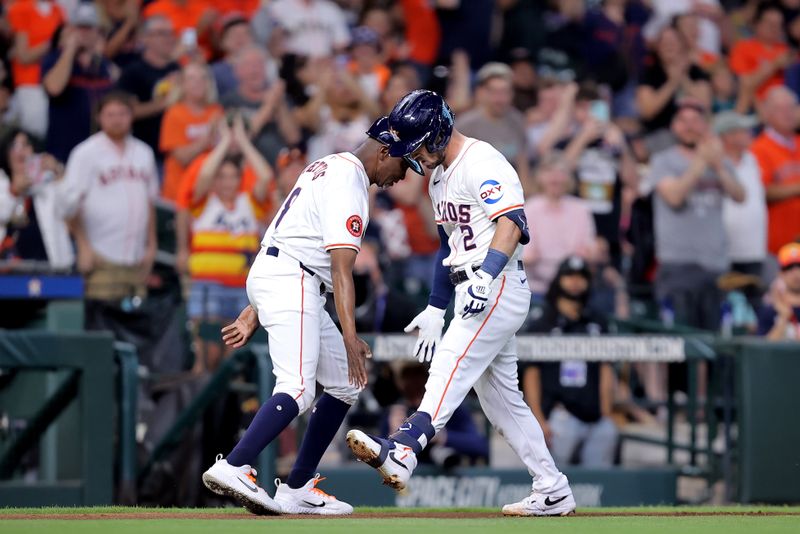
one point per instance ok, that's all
(496, 187)
(75, 183)
(344, 212)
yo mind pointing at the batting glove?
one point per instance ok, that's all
(430, 323)
(477, 294)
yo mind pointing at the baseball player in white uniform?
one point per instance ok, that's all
(478, 200)
(309, 249)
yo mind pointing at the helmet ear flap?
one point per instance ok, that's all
(442, 127)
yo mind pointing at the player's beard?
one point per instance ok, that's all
(438, 161)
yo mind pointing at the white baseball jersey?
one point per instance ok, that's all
(477, 188)
(113, 190)
(480, 352)
(327, 209)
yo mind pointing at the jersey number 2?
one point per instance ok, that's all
(469, 235)
(287, 204)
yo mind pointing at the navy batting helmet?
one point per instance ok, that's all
(419, 117)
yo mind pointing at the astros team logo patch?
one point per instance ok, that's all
(491, 191)
(355, 225)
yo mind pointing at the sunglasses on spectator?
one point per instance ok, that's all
(791, 266)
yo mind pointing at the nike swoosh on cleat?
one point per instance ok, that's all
(436, 181)
(254, 489)
(315, 505)
(553, 502)
(398, 462)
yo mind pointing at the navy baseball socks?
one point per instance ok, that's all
(415, 432)
(273, 416)
(395, 457)
(326, 418)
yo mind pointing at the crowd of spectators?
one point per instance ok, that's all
(656, 141)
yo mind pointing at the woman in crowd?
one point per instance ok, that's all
(225, 231)
(30, 228)
(338, 114)
(187, 128)
(670, 76)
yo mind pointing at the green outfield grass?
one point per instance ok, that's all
(730, 521)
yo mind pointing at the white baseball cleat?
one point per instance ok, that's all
(309, 499)
(240, 483)
(395, 462)
(538, 504)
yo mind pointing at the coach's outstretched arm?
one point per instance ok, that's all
(344, 294)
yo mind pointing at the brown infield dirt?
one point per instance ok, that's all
(371, 515)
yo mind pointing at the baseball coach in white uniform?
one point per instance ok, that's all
(309, 249)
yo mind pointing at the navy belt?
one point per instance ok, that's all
(456, 277)
(275, 251)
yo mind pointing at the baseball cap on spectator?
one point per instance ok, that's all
(789, 256)
(555, 65)
(494, 70)
(364, 35)
(728, 121)
(85, 15)
(574, 265)
(519, 54)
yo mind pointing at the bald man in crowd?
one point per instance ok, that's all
(777, 150)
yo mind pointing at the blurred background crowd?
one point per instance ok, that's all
(656, 141)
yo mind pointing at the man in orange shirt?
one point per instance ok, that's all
(33, 24)
(760, 61)
(777, 150)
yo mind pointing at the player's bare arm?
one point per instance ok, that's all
(239, 332)
(342, 261)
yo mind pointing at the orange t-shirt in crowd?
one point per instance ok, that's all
(424, 34)
(748, 54)
(184, 16)
(24, 16)
(245, 7)
(189, 178)
(382, 73)
(180, 127)
(780, 164)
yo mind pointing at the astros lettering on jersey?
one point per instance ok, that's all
(468, 198)
(114, 189)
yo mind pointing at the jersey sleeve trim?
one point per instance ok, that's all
(332, 246)
(503, 211)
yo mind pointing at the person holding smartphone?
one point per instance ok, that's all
(597, 153)
(30, 229)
